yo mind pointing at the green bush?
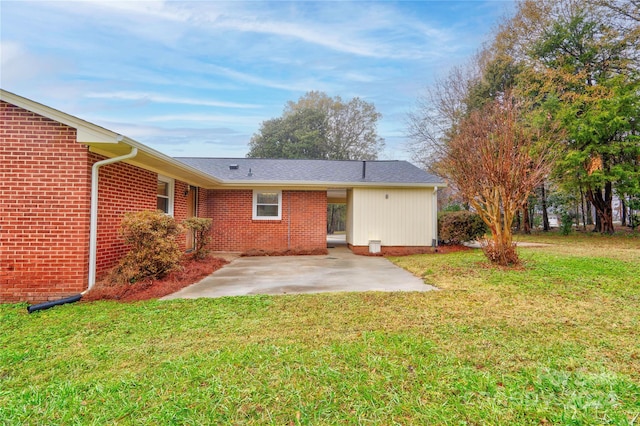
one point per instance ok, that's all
(460, 226)
(200, 227)
(566, 223)
(452, 208)
(153, 237)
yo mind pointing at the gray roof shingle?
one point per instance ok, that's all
(311, 171)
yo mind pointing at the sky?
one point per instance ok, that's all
(197, 78)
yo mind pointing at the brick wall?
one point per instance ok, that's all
(180, 206)
(303, 224)
(45, 187)
(45, 190)
(125, 188)
(44, 208)
(122, 188)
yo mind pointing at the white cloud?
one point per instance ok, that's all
(299, 85)
(168, 64)
(251, 121)
(186, 141)
(18, 65)
(364, 29)
(153, 97)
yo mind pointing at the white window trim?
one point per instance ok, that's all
(171, 190)
(255, 205)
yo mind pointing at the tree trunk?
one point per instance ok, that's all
(624, 211)
(330, 221)
(525, 219)
(545, 215)
(597, 226)
(602, 200)
(518, 221)
(589, 213)
(532, 215)
(584, 213)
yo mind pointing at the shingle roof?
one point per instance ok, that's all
(311, 171)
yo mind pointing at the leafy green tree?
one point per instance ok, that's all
(301, 134)
(589, 86)
(320, 127)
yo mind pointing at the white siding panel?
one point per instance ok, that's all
(397, 217)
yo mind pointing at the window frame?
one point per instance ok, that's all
(255, 204)
(170, 197)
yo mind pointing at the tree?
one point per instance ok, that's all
(324, 128)
(301, 134)
(320, 127)
(588, 84)
(438, 111)
(495, 161)
(580, 63)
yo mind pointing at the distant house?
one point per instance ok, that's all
(65, 185)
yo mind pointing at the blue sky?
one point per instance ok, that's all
(198, 78)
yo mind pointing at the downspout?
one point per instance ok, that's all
(93, 225)
(93, 234)
(434, 241)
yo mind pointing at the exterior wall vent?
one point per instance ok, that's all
(233, 167)
(375, 246)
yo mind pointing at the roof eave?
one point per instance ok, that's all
(155, 161)
(329, 184)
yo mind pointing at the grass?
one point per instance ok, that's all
(556, 342)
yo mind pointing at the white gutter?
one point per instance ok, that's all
(93, 224)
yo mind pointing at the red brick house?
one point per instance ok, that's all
(65, 184)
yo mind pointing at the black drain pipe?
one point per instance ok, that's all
(51, 304)
(93, 230)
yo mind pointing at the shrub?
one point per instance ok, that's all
(499, 254)
(566, 223)
(452, 208)
(154, 252)
(460, 226)
(200, 227)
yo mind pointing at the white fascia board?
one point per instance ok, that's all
(319, 184)
(86, 132)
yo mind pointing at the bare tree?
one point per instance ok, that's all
(437, 112)
(495, 162)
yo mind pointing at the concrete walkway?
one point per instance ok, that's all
(341, 270)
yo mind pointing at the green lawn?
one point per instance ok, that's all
(556, 342)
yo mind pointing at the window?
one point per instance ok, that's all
(165, 194)
(267, 205)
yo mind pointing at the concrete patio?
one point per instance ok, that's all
(338, 271)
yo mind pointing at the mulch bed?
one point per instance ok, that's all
(191, 272)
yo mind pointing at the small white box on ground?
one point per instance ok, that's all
(375, 246)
